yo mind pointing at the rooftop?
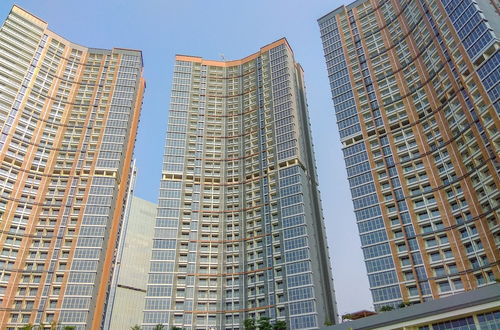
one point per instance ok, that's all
(425, 311)
(263, 49)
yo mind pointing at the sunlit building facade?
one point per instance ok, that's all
(68, 118)
(239, 231)
(415, 86)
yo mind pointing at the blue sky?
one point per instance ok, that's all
(233, 29)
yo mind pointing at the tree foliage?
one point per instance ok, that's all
(264, 323)
(249, 324)
(279, 325)
(404, 304)
(53, 326)
(386, 308)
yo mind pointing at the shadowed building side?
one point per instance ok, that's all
(133, 265)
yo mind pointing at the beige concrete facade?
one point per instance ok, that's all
(68, 120)
(415, 86)
(239, 232)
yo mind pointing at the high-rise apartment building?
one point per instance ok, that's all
(415, 86)
(68, 118)
(239, 231)
(126, 305)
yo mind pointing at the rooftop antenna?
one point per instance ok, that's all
(222, 57)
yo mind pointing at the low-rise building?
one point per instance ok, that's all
(477, 309)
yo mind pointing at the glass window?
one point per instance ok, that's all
(489, 320)
(444, 286)
(412, 291)
(457, 284)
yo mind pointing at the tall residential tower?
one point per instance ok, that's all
(239, 231)
(68, 118)
(415, 86)
(126, 302)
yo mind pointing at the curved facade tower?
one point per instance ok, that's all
(416, 90)
(239, 230)
(68, 118)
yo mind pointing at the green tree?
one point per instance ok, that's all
(386, 308)
(264, 324)
(249, 324)
(404, 304)
(176, 328)
(159, 327)
(28, 327)
(279, 325)
(135, 327)
(69, 327)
